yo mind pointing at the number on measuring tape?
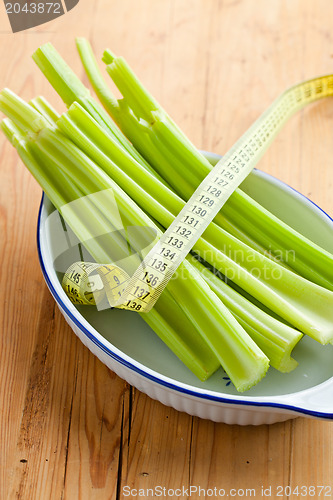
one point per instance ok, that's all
(140, 291)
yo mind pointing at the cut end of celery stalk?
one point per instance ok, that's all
(59, 74)
(108, 56)
(287, 364)
(137, 96)
(252, 381)
(23, 115)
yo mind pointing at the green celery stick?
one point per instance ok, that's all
(274, 338)
(85, 49)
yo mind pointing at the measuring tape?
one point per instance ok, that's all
(89, 283)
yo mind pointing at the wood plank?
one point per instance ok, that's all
(157, 453)
(311, 460)
(240, 457)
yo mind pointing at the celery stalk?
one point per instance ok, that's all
(274, 338)
(85, 49)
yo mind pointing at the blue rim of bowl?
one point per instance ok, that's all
(155, 379)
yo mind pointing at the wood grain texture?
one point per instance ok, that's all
(69, 428)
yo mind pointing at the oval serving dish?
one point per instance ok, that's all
(120, 338)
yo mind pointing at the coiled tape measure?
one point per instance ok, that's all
(140, 291)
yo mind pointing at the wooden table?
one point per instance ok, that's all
(69, 428)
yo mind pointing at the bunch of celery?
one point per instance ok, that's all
(189, 316)
(205, 321)
(300, 302)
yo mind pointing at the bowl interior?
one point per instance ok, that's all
(129, 333)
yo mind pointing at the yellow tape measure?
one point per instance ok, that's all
(87, 283)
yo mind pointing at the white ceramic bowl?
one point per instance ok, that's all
(120, 338)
